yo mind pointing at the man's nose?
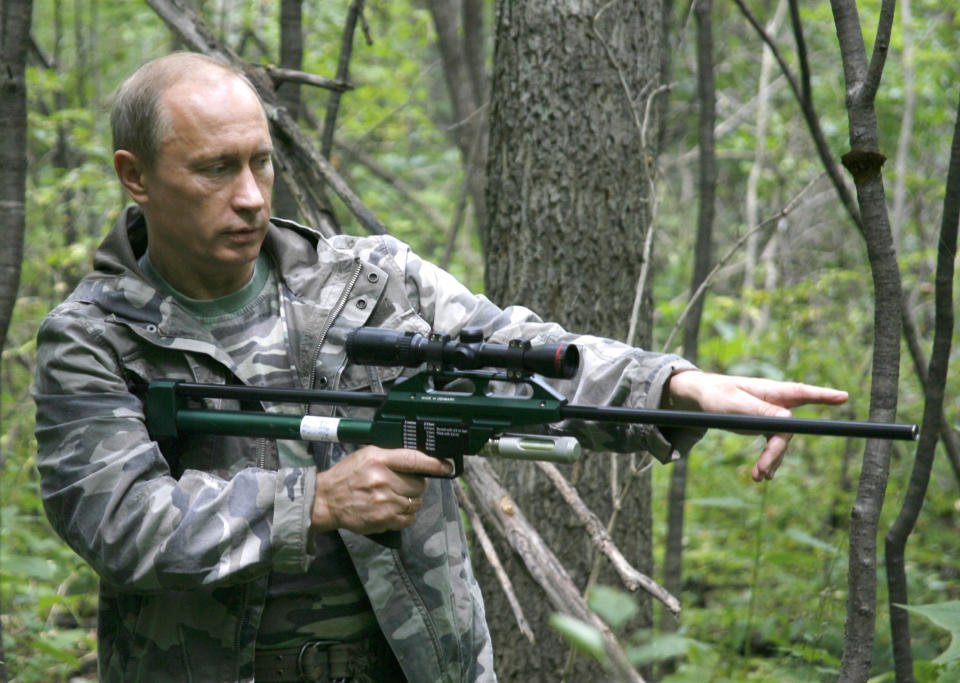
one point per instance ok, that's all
(248, 195)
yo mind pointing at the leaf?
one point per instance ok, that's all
(30, 567)
(946, 615)
(667, 646)
(615, 607)
(803, 538)
(728, 502)
(580, 635)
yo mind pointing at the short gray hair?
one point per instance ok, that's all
(136, 119)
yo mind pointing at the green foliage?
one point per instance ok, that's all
(581, 636)
(946, 615)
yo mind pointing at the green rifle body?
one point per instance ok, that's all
(451, 424)
(472, 419)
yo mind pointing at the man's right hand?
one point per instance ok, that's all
(373, 489)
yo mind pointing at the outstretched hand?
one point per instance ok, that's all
(709, 392)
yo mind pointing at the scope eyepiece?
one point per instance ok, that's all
(381, 346)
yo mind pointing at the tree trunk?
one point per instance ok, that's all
(462, 54)
(864, 162)
(934, 389)
(14, 41)
(568, 207)
(291, 57)
(703, 261)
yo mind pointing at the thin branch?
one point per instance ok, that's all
(458, 215)
(543, 565)
(949, 437)
(806, 90)
(881, 45)
(281, 119)
(631, 577)
(476, 524)
(790, 206)
(306, 204)
(405, 190)
(811, 118)
(280, 75)
(343, 72)
(634, 472)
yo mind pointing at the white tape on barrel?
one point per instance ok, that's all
(315, 428)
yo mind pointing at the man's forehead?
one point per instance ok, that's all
(208, 88)
(202, 104)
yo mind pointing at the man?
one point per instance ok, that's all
(236, 559)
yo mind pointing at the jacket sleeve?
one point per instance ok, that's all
(611, 373)
(109, 493)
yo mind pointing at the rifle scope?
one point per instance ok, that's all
(380, 346)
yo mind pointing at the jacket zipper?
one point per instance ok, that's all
(337, 309)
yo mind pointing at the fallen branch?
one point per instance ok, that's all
(544, 567)
(631, 577)
(491, 554)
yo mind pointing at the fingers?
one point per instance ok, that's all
(770, 459)
(792, 394)
(407, 460)
(750, 396)
(373, 490)
(716, 393)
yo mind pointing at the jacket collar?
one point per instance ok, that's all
(119, 286)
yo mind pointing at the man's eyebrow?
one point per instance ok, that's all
(227, 157)
(213, 159)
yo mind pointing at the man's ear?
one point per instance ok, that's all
(130, 171)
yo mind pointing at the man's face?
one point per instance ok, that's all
(208, 196)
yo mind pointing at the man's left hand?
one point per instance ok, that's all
(709, 392)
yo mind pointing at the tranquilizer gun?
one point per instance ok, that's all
(450, 409)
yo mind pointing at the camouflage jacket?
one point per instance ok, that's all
(184, 552)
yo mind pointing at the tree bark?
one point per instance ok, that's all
(288, 92)
(15, 18)
(463, 59)
(864, 162)
(898, 534)
(14, 43)
(568, 211)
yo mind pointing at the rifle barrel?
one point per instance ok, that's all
(742, 423)
(656, 417)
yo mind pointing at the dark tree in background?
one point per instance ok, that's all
(14, 38)
(291, 57)
(702, 262)
(568, 211)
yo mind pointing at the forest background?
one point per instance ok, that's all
(765, 567)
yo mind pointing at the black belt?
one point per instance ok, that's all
(318, 660)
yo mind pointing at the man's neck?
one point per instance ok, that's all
(197, 284)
